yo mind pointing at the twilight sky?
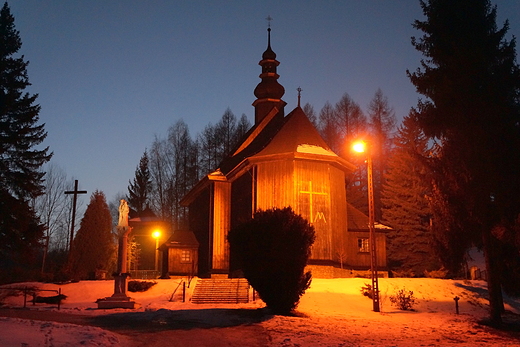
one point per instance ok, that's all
(112, 75)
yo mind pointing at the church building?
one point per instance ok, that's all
(282, 161)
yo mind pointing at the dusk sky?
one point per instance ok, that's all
(112, 75)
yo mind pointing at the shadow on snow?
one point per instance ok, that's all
(164, 319)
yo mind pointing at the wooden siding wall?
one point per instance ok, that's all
(316, 190)
(176, 267)
(338, 212)
(199, 218)
(274, 184)
(356, 259)
(221, 225)
(325, 186)
(242, 199)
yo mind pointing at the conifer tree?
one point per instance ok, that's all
(405, 202)
(471, 82)
(139, 190)
(20, 160)
(94, 246)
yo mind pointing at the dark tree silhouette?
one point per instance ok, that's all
(471, 82)
(139, 190)
(94, 246)
(20, 160)
(273, 249)
(406, 203)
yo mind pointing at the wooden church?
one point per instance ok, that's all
(282, 161)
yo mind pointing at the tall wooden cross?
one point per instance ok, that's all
(75, 192)
(319, 215)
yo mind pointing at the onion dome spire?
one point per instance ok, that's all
(268, 92)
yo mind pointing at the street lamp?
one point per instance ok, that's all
(156, 235)
(361, 147)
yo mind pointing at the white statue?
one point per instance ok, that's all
(123, 213)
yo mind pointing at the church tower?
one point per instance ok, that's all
(268, 92)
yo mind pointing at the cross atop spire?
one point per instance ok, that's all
(299, 95)
(269, 19)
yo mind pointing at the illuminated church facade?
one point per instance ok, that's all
(282, 161)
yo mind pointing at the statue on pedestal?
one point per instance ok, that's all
(119, 299)
(123, 213)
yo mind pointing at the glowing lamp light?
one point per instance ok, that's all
(156, 235)
(359, 147)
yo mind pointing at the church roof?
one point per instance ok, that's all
(297, 134)
(358, 221)
(181, 238)
(292, 136)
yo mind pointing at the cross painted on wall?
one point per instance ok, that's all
(319, 215)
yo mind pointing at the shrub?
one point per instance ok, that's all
(272, 250)
(404, 273)
(436, 273)
(366, 290)
(403, 300)
(140, 286)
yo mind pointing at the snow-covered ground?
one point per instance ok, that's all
(331, 313)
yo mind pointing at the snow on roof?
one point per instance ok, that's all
(313, 149)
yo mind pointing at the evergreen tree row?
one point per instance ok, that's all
(21, 179)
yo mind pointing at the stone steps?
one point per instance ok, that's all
(221, 291)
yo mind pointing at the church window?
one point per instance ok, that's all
(186, 256)
(363, 245)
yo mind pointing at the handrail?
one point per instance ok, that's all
(175, 290)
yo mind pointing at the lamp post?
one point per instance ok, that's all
(361, 147)
(156, 235)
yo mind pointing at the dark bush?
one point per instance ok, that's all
(140, 286)
(367, 291)
(272, 250)
(403, 299)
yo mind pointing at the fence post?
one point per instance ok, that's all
(25, 297)
(59, 298)
(184, 291)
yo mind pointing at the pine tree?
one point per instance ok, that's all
(405, 202)
(94, 247)
(471, 81)
(20, 177)
(139, 190)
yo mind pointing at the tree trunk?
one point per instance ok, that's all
(496, 303)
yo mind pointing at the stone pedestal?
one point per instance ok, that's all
(119, 299)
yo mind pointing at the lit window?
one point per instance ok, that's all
(186, 256)
(363, 245)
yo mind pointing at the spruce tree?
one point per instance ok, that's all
(471, 82)
(20, 160)
(405, 202)
(93, 248)
(139, 190)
